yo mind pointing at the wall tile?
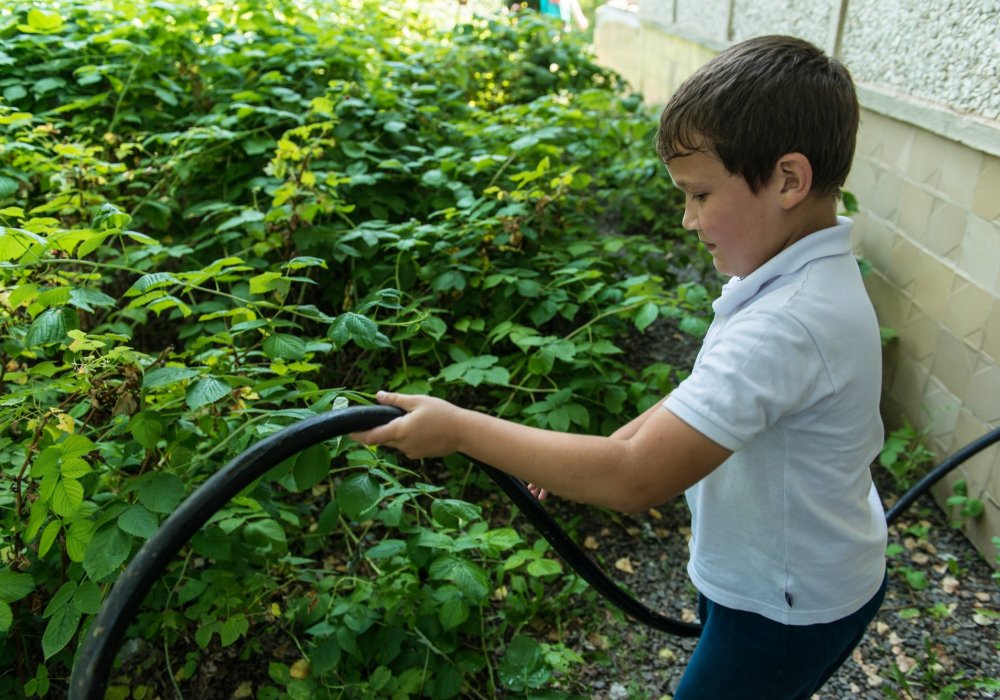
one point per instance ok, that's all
(991, 333)
(908, 386)
(933, 285)
(903, 260)
(876, 239)
(946, 228)
(916, 204)
(884, 201)
(947, 166)
(979, 253)
(954, 363)
(968, 311)
(941, 407)
(986, 197)
(918, 339)
(861, 181)
(984, 388)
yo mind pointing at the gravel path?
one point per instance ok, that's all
(939, 642)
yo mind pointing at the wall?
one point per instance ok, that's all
(926, 173)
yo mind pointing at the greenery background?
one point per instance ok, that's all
(218, 219)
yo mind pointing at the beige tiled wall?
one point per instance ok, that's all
(930, 227)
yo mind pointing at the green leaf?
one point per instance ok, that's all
(544, 567)
(358, 494)
(6, 617)
(360, 329)
(283, 346)
(453, 513)
(48, 537)
(67, 497)
(14, 586)
(206, 391)
(386, 549)
(165, 376)
(266, 534)
(44, 22)
(137, 520)
(108, 550)
(9, 185)
(78, 538)
(311, 467)
(452, 613)
(523, 666)
(161, 491)
(153, 280)
(14, 243)
(50, 327)
(233, 628)
(61, 628)
(470, 578)
(646, 315)
(146, 427)
(87, 598)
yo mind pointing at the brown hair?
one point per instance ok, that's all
(761, 99)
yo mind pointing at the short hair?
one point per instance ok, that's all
(763, 98)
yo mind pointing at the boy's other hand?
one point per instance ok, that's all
(538, 492)
(429, 428)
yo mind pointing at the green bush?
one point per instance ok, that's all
(219, 219)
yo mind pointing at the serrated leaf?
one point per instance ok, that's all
(78, 538)
(108, 549)
(452, 613)
(6, 617)
(165, 376)
(14, 585)
(61, 628)
(386, 549)
(9, 185)
(87, 598)
(161, 491)
(522, 666)
(206, 391)
(452, 513)
(139, 521)
(67, 497)
(146, 427)
(359, 329)
(48, 537)
(311, 466)
(234, 628)
(470, 578)
(646, 315)
(357, 494)
(50, 327)
(153, 280)
(284, 346)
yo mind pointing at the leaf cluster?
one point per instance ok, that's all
(218, 219)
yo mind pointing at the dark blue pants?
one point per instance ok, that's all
(747, 656)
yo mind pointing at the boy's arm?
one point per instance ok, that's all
(662, 457)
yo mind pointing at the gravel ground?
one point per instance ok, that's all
(938, 642)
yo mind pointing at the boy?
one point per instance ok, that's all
(772, 434)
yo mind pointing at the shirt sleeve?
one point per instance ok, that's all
(759, 368)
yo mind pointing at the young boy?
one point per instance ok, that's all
(772, 434)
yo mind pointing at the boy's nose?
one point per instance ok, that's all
(690, 219)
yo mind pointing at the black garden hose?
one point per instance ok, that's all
(96, 654)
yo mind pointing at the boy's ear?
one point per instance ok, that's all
(793, 172)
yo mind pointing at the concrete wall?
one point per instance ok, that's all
(926, 174)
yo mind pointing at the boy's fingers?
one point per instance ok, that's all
(403, 401)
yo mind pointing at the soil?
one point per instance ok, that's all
(923, 643)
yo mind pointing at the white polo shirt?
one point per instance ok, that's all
(788, 378)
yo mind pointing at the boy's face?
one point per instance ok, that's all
(741, 229)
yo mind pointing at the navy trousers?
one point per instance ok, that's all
(747, 656)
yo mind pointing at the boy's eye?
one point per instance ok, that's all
(699, 197)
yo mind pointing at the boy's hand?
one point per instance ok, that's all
(429, 428)
(538, 492)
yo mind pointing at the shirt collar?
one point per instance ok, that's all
(826, 242)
